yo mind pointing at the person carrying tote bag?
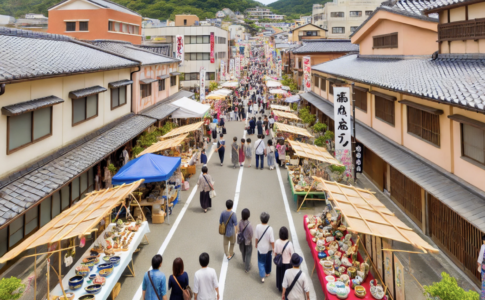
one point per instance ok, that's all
(187, 292)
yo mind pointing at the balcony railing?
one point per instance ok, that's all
(463, 30)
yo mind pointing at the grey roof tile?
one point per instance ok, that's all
(107, 4)
(324, 45)
(23, 107)
(81, 93)
(26, 54)
(119, 83)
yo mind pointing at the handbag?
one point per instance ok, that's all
(278, 258)
(222, 226)
(187, 292)
(212, 192)
(240, 236)
(288, 290)
(153, 286)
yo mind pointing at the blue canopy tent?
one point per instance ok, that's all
(151, 167)
(292, 99)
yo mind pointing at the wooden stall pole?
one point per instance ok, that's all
(60, 282)
(48, 277)
(311, 185)
(35, 274)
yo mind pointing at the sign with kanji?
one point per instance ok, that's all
(231, 67)
(238, 66)
(223, 71)
(359, 157)
(212, 41)
(202, 84)
(343, 133)
(180, 48)
(307, 73)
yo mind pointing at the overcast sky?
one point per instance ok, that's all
(266, 1)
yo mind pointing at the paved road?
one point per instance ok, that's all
(190, 231)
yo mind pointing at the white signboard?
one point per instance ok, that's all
(307, 74)
(238, 66)
(343, 133)
(202, 84)
(222, 71)
(231, 67)
(180, 45)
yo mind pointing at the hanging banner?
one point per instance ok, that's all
(202, 84)
(180, 48)
(280, 66)
(212, 41)
(223, 72)
(238, 66)
(226, 74)
(399, 279)
(231, 68)
(307, 74)
(359, 157)
(388, 270)
(343, 144)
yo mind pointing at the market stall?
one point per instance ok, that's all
(273, 84)
(230, 84)
(292, 99)
(164, 145)
(362, 214)
(189, 108)
(74, 224)
(183, 130)
(280, 107)
(282, 115)
(285, 131)
(278, 92)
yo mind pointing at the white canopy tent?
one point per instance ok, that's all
(273, 84)
(233, 84)
(189, 108)
(278, 91)
(284, 87)
(224, 92)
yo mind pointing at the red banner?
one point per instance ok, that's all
(212, 47)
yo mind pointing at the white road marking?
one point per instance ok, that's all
(294, 236)
(164, 246)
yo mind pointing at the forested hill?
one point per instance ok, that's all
(156, 9)
(292, 7)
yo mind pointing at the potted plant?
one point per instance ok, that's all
(112, 169)
(11, 288)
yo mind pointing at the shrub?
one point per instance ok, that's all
(11, 288)
(319, 127)
(294, 106)
(448, 289)
(112, 169)
(329, 135)
(320, 141)
(338, 169)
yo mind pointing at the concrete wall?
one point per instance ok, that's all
(63, 133)
(190, 19)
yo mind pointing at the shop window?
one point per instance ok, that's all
(384, 110)
(91, 180)
(31, 220)
(84, 182)
(173, 80)
(45, 211)
(145, 90)
(338, 30)
(337, 14)
(16, 231)
(385, 41)
(70, 26)
(28, 128)
(83, 26)
(161, 85)
(473, 142)
(84, 109)
(360, 98)
(424, 125)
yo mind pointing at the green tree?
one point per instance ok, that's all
(11, 288)
(448, 289)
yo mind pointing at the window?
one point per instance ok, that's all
(145, 90)
(355, 14)
(161, 85)
(311, 33)
(323, 84)
(368, 12)
(384, 110)
(316, 81)
(173, 80)
(83, 26)
(385, 41)
(28, 128)
(338, 30)
(84, 109)
(330, 88)
(118, 97)
(337, 14)
(70, 26)
(45, 211)
(117, 27)
(31, 220)
(16, 231)
(125, 28)
(353, 28)
(206, 39)
(185, 22)
(473, 142)
(360, 98)
(424, 124)
(110, 26)
(197, 56)
(210, 76)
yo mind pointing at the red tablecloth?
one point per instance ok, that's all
(321, 274)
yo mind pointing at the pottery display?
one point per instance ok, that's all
(343, 293)
(330, 278)
(92, 276)
(115, 260)
(341, 269)
(346, 262)
(331, 288)
(87, 297)
(93, 289)
(360, 291)
(69, 296)
(313, 232)
(356, 281)
(90, 265)
(105, 266)
(76, 282)
(105, 272)
(344, 278)
(376, 290)
(352, 271)
(82, 270)
(89, 259)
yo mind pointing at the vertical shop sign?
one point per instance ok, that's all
(307, 73)
(343, 145)
(180, 48)
(238, 66)
(378, 261)
(212, 41)
(399, 279)
(222, 71)
(231, 68)
(368, 244)
(388, 269)
(359, 157)
(280, 66)
(202, 84)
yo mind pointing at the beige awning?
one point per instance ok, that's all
(280, 107)
(76, 221)
(285, 115)
(292, 129)
(364, 213)
(165, 144)
(183, 129)
(313, 152)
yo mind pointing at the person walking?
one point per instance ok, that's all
(221, 148)
(205, 185)
(213, 127)
(249, 153)
(229, 218)
(284, 247)
(246, 231)
(206, 286)
(271, 154)
(242, 151)
(260, 151)
(252, 125)
(265, 245)
(295, 283)
(281, 147)
(154, 282)
(235, 152)
(259, 124)
(266, 125)
(178, 281)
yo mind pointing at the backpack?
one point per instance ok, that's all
(222, 226)
(240, 236)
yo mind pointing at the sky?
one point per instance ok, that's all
(266, 2)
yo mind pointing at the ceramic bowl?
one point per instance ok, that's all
(331, 288)
(76, 282)
(69, 296)
(94, 259)
(115, 260)
(93, 288)
(330, 278)
(106, 258)
(83, 273)
(87, 297)
(328, 264)
(360, 291)
(92, 276)
(90, 265)
(105, 266)
(105, 272)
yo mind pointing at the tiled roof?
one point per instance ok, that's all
(453, 81)
(416, 6)
(160, 111)
(81, 93)
(147, 80)
(443, 3)
(286, 45)
(324, 45)
(27, 54)
(128, 50)
(19, 194)
(105, 4)
(119, 83)
(31, 105)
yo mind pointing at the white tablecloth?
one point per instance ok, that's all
(114, 277)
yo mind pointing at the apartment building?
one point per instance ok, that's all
(257, 12)
(341, 18)
(318, 15)
(197, 50)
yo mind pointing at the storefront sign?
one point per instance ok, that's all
(343, 144)
(238, 66)
(212, 40)
(307, 73)
(359, 157)
(180, 48)
(388, 269)
(223, 71)
(202, 84)
(399, 279)
(231, 68)
(280, 66)
(378, 261)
